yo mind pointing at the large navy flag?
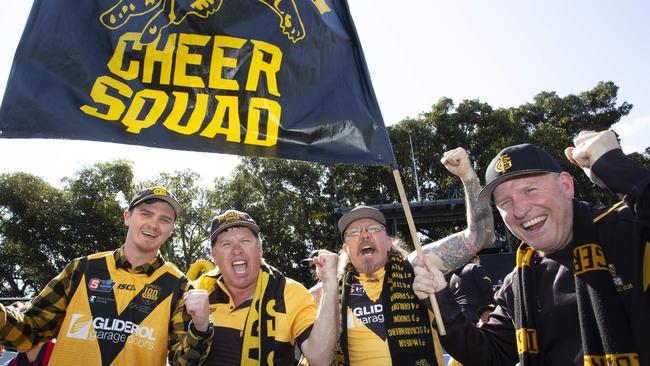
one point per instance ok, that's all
(273, 78)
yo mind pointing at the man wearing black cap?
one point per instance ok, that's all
(259, 315)
(383, 322)
(579, 291)
(126, 307)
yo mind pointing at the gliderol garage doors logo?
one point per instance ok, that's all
(112, 330)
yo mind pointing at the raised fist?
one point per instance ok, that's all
(457, 163)
(589, 147)
(326, 265)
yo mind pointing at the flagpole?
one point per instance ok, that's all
(418, 247)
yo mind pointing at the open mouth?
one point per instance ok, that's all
(239, 266)
(150, 234)
(367, 250)
(534, 224)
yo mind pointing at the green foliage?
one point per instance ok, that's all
(643, 159)
(97, 196)
(42, 228)
(30, 232)
(550, 122)
(188, 242)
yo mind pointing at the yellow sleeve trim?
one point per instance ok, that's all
(646, 267)
(611, 209)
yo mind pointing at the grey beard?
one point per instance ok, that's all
(369, 268)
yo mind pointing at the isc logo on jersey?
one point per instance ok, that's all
(113, 330)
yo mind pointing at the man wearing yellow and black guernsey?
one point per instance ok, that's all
(579, 292)
(127, 307)
(383, 323)
(259, 315)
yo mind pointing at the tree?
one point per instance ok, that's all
(30, 233)
(643, 159)
(188, 242)
(43, 228)
(97, 195)
(553, 122)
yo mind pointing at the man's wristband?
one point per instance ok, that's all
(198, 333)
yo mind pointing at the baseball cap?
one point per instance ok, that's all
(514, 161)
(360, 212)
(159, 193)
(310, 257)
(229, 219)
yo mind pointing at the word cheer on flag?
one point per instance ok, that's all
(250, 77)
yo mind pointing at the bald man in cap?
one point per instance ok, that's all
(579, 291)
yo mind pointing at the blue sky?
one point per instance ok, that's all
(500, 52)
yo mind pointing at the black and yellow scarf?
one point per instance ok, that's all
(411, 340)
(605, 330)
(259, 340)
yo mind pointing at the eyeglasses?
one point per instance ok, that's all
(356, 231)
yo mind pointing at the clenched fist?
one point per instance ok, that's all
(428, 278)
(326, 264)
(589, 147)
(457, 163)
(198, 307)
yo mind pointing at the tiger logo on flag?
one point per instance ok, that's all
(163, 13)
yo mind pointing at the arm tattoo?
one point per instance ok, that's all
(456, 249)
(480, 222)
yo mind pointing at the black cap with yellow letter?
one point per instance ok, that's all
(515, 161)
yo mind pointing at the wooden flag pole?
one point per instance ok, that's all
(418, 247)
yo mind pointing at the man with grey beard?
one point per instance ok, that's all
(383, 322)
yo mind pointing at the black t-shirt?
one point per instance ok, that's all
(472, 289)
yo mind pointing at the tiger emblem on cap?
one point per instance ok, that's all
(503, 164)
(160, 191)
(232, 215)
